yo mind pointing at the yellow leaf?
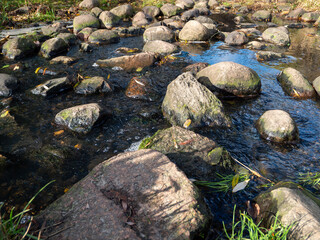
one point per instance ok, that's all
(37, 70)
(296, 94)
(172, 57)
(4, 113)
(235, 180)
(108, 76)
(187, 123)
(76, 84)
(57, 133)
(66, 190)
(77, 146)
(139, 69)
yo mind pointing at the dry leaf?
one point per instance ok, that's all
(139, 69)
(187, 123)
(235, 180)
(130, 223)
(57, 133)
(240, 186)
(77, 146)
(66, 190)
(124, 205)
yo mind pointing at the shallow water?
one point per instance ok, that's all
(23, 176)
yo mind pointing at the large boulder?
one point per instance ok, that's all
(276, 36)
(278, 126)
(170, 10)
(84, 21)
(18, 48)
(80, 118)
(89, 4)
(7, 84)
(197, 156)
(134, 195)
(53, 86)
(123, 11)
(131, 62)
(230, 79)
(161, 47)
(294, 206)
(236, 38)
(93, 85)
(104, 36)
(53, 47)
(294, 84)
(187, 99)
(310, 17)
(194, 31)
(158, 33)
(262, 15)
(108, 19)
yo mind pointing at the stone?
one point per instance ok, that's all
(141, 88)
(252, 33)
(52, 87)
(53, 47)
(161, 202)
(229, 79)
(187, 99)
(212, 28)
(236, 38)
(310, 17)
(296, 25)
(262, 15)
(243, 10)
(89, 4)
(84, 34)
(69, 38)
(84, 21)
(158, 33)
(276, 36)
(295, 14)
(174, 24)
(194, 31)
(54, 29)
(294, 205)
(130, 31)
(161, 47)
(213, 4)
(152, 11)
(108, 19)
(63, 59)
(18, 48)
(268, 55)
(197, 156)
(7, 84)
(131, 62)
(85, 47)
(316, 85)
(170, 10)
(141, 19)
(93, 85)
(201, 4)
(204, 11)
(239, 19)
(317, 23)
(205, 19)
(187, 15)
(196, 67)
(80, 118)
(185, 4)
(294, 84)
(278, 126)
(96, 11)
(104, 36)
(123, 11)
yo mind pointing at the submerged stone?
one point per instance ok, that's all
(93, 85)
(53, 86)
(53, 47)
(141, 88)
(268, 55)
(7, 84)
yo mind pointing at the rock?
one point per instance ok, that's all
(230, 79)
(7, 84)
(158, 33)
(243, 10)
(236, 38)
(187, 15)
(295, 14)
(84, 34)
(187, 99)
(54, 29)
(130, 31)
(85, 47)
(194, 31)
(80, 118)
(213, 4)
(69, 38)
(204, 19)
(131, 62)
(175, 211)
(316, 85)
(93, 85)
(174, 24)
(53, 86)
(296, 25)
(53, 47)
(278, 126)
(268, 55)
(197, 156)
(277, 36)
(152, 11)
(141, 19)
(141, 88)
(310, 17)
(204, 11)
(123, 11)
(239, 19)
(89, 4)
(170, 10)
(18, 48)
(161, 47)
(63, 59)
(317, 23)
(104, 36)
(252, 33)
(96, 11)
(84, 21)
(195, 68)
(294, 205)
(201, 4)
(185, 4)
(294, 84)
(212, 28)
(262, 15)
(108, 19)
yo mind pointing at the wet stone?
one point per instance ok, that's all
(69, 38)
(296, 25)
(152, 11)
(196, 67)
(236, 38)
(158, 33)
(104, 36)
(53, 86)
(94, 85)
(268, 55)
(63, 59)
(170, 10)
(89, 4)
(84, 21)
(54, 29)
(316, 85)
(310, 17)
(85, 47)
(108, 19)
(96, 11)
(123, 11)
(161, 47)
(190, 14)
(18, 48)
(53, 47)
(194, 31)
(84, 34)
(277, 36)
(7, 84)
(262, 15)
(141, 19)
(141, 88)
(130, 31)
(204, 11)
(185, 4)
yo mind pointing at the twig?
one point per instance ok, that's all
(42, 228)
(25, 234)
(49, 226)
(57, 232)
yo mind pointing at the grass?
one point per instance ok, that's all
(311, 179)
(246, 228)
(12, 226)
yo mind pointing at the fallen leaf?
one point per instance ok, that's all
(130, 223)
(139, 69)
(187, 123)
(16, 68)
(77, 146)
(235, 180)
(240, 186)
(5, 66)
(66, 190)
(57, 133)
(4, 113)
(108, 76)
(124, 205)
(296, 94)
(37, 70)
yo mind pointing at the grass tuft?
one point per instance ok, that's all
(311, 178)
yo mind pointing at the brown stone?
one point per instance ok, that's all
(140, 88)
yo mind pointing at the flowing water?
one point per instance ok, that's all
(26, 171)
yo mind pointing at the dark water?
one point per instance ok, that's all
(26, 171)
